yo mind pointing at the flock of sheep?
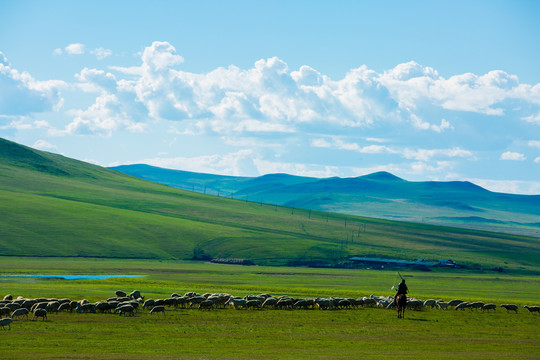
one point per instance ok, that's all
(128, 304)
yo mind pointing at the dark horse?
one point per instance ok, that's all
(401, 304)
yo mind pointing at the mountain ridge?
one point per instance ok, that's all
(380, 194)
(69, 208)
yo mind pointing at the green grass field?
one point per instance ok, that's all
(267, 334)
(54, 206)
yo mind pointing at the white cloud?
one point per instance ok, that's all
(269, 98)
(514, 156)
(534, 143)
(509, 186)
(74, 49)
(537, 160)
(101, 53)
(108, 114)
(79, 49)
(428, 154)
(423, 125)
(238, 163)
(44, 145)
(21, 94)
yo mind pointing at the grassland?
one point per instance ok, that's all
(268, 334)
(54, 206)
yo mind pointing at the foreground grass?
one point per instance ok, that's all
(310, 334)
(267, 334)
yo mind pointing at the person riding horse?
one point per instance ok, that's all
(402, 289)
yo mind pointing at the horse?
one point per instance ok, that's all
(401, 304)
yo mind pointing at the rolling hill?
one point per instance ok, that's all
(51, 205)
(380, 195)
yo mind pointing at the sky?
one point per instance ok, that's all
(426, 90)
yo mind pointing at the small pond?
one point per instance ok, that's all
(74, 277)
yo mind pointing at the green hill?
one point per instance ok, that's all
(380, 195)
(51, 205)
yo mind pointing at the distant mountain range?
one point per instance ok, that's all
(55, 206)
(381, 195)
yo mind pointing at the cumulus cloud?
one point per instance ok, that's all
(270, 98)
(514, 156)
(21, 94)
(75, 49)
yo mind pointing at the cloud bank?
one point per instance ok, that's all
(270, 118)
(270, 98)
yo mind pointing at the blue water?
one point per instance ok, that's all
(73, 277)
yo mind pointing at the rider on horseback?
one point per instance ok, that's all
(402, 289)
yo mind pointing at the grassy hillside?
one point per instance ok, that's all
(54, 206)
(381, 195)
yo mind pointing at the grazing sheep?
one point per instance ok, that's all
(454, 302)
(323, 304)
(431, 303)
(8, 297)
(488, 307)
(13, 306)
(157, 309)
(64, 307)
(476, 305)
(124, 310)
(148, 303)
(6, 321)
(120, 293)
(180, 301)
(206, 304)
(135, 294)
(236, 303)
(532, 309)
(28, 303)
(40, 313)
(269, 302)
(415, 304)
(87, 308)
(196, 300)
(20, 312)
(344, 304)
(52, 306)
(442, 305)
(159, 302)
(253, 304)
(39, 305)
(4, 311)
(286, 303)
(369, 302)
(462, 306)
(510, 307)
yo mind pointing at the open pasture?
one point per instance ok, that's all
(267, 334)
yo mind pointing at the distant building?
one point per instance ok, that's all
(377, 262)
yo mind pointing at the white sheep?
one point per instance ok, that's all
(488, 307)
(6, 321)
(442, 305)
(20, 312)
(476, 305)
(455, 302)
(532, 309)
(462, 306)
(510, 307)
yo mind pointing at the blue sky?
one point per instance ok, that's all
(427, 90)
